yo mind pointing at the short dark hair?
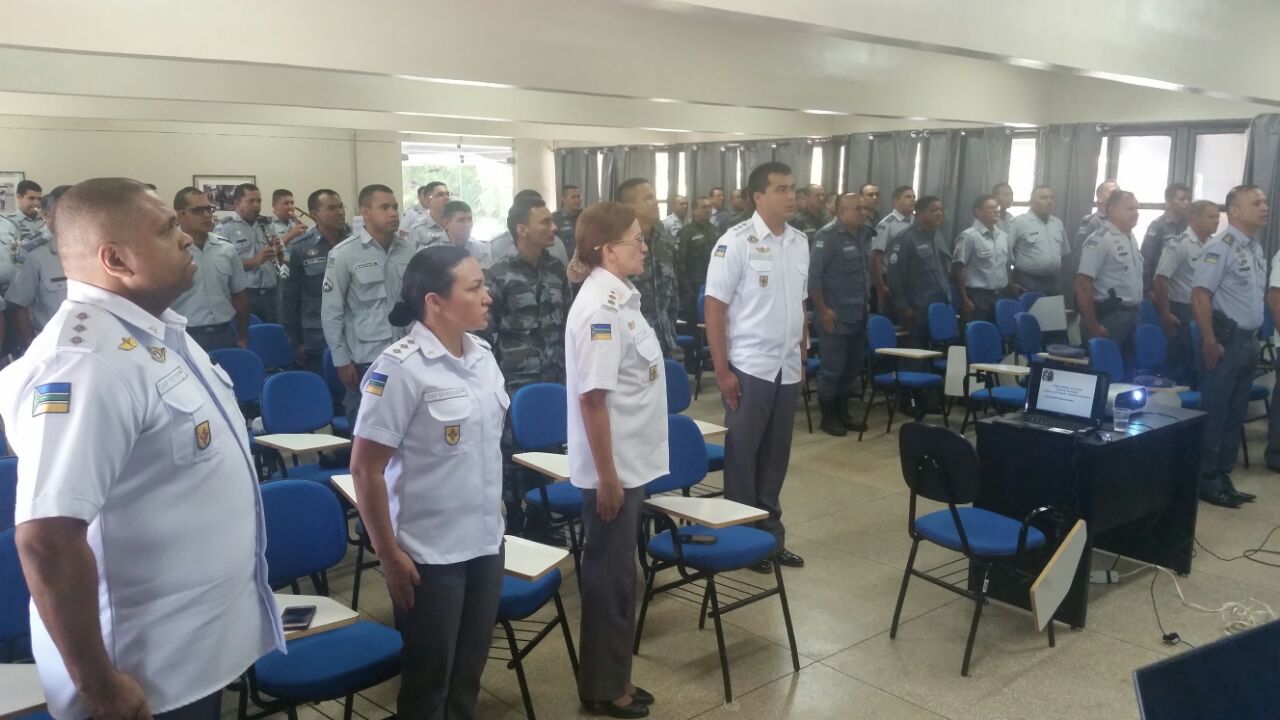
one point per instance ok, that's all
(279, 195)
(996, 188)
(564, 190)
(96, 209)
(1041, 187)
(866, 185)
(758, 180)
(243, 189)
(26, 186)
(922, 204)
(430, 271)
(453, 207)
(426, 189)
(527, 194)
(981, 200)
(313, 200)
(519, 213)
(1174, 188)
(368, 191)
(713, 190)
(840, 198)
(50, 200)
(1200, 206)
(1114, 198)
(804, 191)
(180, 201)
(902, 190)
(1239, 190)
(627, 186)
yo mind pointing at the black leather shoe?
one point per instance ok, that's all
(786, 558)
(634, 710)
(642, 696)
(1221, 498)
(764, 567)
(831, 425)
(1231, 488)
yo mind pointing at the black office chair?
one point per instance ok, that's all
(940, 464)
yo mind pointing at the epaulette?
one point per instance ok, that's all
(480, 341)
(1228, 238)
(82, 326)
(610, 302)
(401, 349)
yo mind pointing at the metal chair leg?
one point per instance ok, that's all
(644, 608)
(902, 592)
(786, 616)
(724, 656)
(702, 615)
(563, 617)
(519, 668)
(1052, 640)
(805, 394)
(866, 412)
(892, 401)
(348, 707)
(355, 587)
(979, 601)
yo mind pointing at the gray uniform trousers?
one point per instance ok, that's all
(265, 303)
(608, 596)
(1224, 395)
(757, 447)
(1120, 324)
(446, 635)
(1047, 284)
(842, 356)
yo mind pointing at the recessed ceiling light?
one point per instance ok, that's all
(1019, 124)
(451, 81)
(670, 130)
(665, 100)
(814, 111)
(1135, 80)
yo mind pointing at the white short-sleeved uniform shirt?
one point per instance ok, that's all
(122, 421)
(985, 256)
(763, 278)
(888, 227)
(444, 416)
(1178, 264)
(609, 346)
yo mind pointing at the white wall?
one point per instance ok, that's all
(536, 168)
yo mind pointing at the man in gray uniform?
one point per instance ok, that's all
(839, 282)
(1109, 279)
(284, 222)
(303, 290)
(40, 286)
(679, 216)
(981, 266)
(658, 285)
(739, 212)
(899, 219)
(1003, 193)
(1038, 243)
(1226, 300)
(362, 282)
(429, 227)
(27, 225)
(458, 222)
(258, 248)
(1171, 287)
(217, 293)
(1164, 230)
(566, 218)
(716, 196)
(1092, 223)
(916, 270)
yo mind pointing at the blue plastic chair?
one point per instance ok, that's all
(254, 320)
(520, 599)
(812, 365)
(297, 401)
(1029, 298)
(246, 370)
(983, 345)
(8, 490)
(1150, 348)
(895, 383)
(1147, 312)
(307, 535)
(943, 330)
(1104, 355)
(678, 401)
(269, 342)
(1028, 338)
(540, 422)
(1007, 310)
(687, 452)
(704, 352)
(15, 623)
(941, 465)
(341, 426)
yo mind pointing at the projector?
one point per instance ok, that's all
(1131, 397)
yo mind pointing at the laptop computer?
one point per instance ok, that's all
(1065, 400)
(1237, 677)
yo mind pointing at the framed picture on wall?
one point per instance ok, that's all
(9, 191)
(219, 188)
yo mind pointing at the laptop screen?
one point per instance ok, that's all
(1079, 393)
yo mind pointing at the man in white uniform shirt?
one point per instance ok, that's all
(755, 316)
(139, 522)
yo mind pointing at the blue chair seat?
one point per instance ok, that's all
(990, 534)
(341, 426)
(940, 364)
(1258, 392)
(910, 379)
(812, 366)
(313, 472)
(1190, 399)
(1003, 395)
(735, 547)
(331, 664)
(522, 598)
(563, 497)
(715, 457)
(684, 340)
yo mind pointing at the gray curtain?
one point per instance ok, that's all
(754, 154)
(857, 166)
(940, 175)
(706, 168)
(729, 169)
(984, 161)
(610, 168)
(893, 163)
(638, 162)
(1067, 161)
(1262, 168)
(577, 166)
(798, 155)
(832, 172)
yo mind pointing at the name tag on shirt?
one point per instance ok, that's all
(171, 381)
(448, 394)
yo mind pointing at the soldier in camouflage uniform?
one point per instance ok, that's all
(659, 284)
(693, 253)
(812, 215)
(530, 294)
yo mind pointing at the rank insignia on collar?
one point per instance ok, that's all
(753, 239)
(157, 354)
(764, 281)
(127, 344)
(203, 435)
(631, 324)
(452, 434)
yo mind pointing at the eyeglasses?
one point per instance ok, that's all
(203, 210)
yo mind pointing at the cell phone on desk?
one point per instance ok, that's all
(298, 617)
(697, 539)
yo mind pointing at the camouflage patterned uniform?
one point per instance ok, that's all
(659, 288)
(693, 254)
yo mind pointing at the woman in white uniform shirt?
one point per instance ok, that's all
(617, 444)
(428, 474)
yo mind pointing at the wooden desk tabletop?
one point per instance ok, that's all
(909, 353)
(346, 487)
(20, 691)
(330, 614)
(710, 430)
(302, 442)
(530, 560)
(709, 512)
(553, 465)
(1001, 368)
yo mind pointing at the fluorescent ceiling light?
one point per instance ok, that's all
(665, 100)
(453, 117)
(1029, 63)
(451, 81)
(916, 118)
(670, 130)
(1136, 80)
(455, 135)
(1020, 125)
(813, 111)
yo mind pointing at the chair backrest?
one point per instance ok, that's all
(1028, 337)
(295, 402)
(1150, 347)
(939, 463)
(679, 394)
(880, 333)
(1007, 310)
(702, 304)
(330, 373)
(246, 370)
(1104, 355)
(687, 456)
(1147, 312)
(14, 598)
(269, 342)
(1029, 298)
(306, 530)
(254, 320)
(8, 490)
(982, 342)
(539, 417)
(942, 324)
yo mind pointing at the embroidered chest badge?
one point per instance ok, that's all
(203, 435)
(452, 434)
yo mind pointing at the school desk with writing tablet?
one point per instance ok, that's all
(298, 443)
(20, 691)
(708, 512)
(1001, 369)
(553, 465)
(710, 430)
(330, 614)
(909, 353)
(1051, 587)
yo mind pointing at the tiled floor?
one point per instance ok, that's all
(846, 506)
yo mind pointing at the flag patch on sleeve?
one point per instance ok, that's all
(601, 331)
(54, 398)
(1210, 259)
(375, 384)
(721, 249)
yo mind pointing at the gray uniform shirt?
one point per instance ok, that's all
(1233, 268)
(673, 225)
(40, 285)
(1178, 263)
(985, 256)
(426, 232)
(248, 240)
(1112, 259)
(361, 284)
(219, 274)
(840, 266)
(889, 226)
(1038, 246)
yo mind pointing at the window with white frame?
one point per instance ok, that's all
(1022, 172)
(1140, 165)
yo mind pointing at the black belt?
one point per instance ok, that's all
(261, 290)
(209, 329)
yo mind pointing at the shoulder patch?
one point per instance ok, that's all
(721, 250)
(51, 399)
(601, 331)
(1210, 258)
(1091, 242)
(375, 383)
(401, 349)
